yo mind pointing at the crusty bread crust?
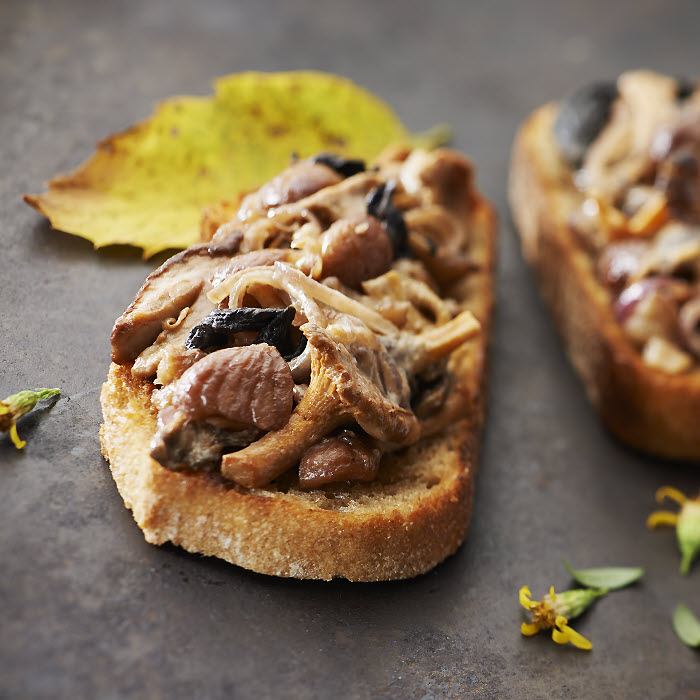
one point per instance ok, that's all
(414, 516)
(646, 408)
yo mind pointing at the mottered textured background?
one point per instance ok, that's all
(89, 609)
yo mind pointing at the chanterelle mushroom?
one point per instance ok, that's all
(340, 391)
(361, 382)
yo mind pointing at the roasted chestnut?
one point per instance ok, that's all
(380, 206)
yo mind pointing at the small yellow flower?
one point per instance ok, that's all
(15, 406)
(686, 521)
(553, 612)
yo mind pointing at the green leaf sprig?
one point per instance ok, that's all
(611, 578)
(686, 625)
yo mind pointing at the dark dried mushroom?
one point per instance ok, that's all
(686, 88)
(582, 116)
(343, 166)
(273, 326)
(380, 206)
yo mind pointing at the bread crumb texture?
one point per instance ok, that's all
(398, 527)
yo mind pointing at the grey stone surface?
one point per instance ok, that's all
(89, 610)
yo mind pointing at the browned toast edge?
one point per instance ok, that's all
(645, 408)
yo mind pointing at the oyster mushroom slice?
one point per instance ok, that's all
(304, 292)
(175, 285)
(339, 391)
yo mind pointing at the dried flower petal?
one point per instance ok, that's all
(565, 634)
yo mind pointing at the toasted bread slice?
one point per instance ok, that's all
(646, 408)
(411, 517)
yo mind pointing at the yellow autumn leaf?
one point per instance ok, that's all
(147, 186)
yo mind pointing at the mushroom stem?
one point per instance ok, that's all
(437, 342)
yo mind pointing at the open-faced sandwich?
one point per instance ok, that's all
(605, 191)
(301, 394)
